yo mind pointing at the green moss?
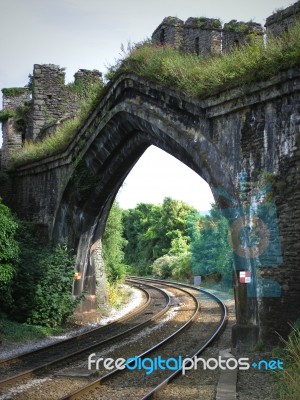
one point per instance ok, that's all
(239, 27)
(171, 20)
(203, 22)
(14, 91)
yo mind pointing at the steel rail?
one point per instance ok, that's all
(97, 383)
(153, 393)
(41, 367)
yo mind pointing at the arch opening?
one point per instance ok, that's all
(82, 214)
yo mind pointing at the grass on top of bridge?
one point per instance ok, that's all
(202, 76)
(188, 73)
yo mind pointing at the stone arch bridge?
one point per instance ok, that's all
(239, 139)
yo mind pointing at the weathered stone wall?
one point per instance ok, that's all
(48, 103)
(266, 140)
(51, 100)
(85, 78)
(202, 36)
(169, 32)
(236, 34)
(282, 20)
(11, 134)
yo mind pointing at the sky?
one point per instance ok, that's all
(88, 34)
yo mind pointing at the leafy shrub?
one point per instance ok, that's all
(52, 299)
(182, 267)
(9, 253)
(162, 266)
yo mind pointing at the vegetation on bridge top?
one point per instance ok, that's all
(202, 76)
(190, 74)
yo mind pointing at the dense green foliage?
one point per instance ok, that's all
(210, 249)
(113, 244)
(152, 231)
(53, 302)
(9, 252)
(14, 91)
(36, 278)
(177, 267)
(6, 114)
(173, 241)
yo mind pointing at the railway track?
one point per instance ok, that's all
(170, 340)
(112, 384)
(13, 369)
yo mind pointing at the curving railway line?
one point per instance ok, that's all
(166, 325)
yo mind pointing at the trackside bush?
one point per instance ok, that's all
(53, 302)
(9, 253)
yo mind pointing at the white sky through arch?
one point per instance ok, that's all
(157, 175)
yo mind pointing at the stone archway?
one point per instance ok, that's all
(83, 211)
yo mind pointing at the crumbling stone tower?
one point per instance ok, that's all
(238, 33)
(202, 36)
(35, 111)
(53, 101)
(169, 32)
(282, 20)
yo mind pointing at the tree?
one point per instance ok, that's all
(141, 233)
(211, 252)
(9, 252)
(172, 228)
(113, 244)
(153, 231)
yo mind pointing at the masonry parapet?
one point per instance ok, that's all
(169, 32)
(202, 36)
(282, 20)
(237, 33)
(50, 99)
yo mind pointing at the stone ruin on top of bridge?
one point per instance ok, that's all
(49, 101)
(204, 36)
(35, 111)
